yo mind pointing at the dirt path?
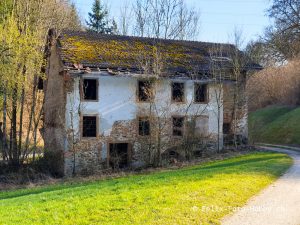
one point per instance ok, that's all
(278, 204)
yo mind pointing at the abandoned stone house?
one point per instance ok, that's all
(117, 101)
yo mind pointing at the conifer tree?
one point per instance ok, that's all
(98, 19)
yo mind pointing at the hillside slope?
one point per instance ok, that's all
(275, 125)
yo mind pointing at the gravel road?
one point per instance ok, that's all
(278, 204)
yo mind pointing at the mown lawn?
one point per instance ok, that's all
(195, 195)
(275, 125)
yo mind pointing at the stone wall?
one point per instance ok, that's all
(91, 154)
(85, 158)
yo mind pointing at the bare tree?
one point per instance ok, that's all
(188, 23)
(72, 131)
(218, 73)
(167, 19)
(284, 36)
(237, 67)
(125, 19)
(141, 12)
(266, 87)
(158, 112)
(161, 139)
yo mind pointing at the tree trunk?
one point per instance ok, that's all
(21, 115)
(34, 143)
(219, 115)
(10, 144)
(159, 145)
(35, 130)
(14, 146)
(21, 121)
(4, 141)
(234, 114)
(31, 117)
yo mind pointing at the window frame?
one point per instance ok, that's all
(138, 125)
(82, 89)
(81, 125)
(182, 128)
(150, 99)
(206, 93)
(184, 92)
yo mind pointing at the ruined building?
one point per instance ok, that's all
(127, 102)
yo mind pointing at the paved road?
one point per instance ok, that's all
(278, 204)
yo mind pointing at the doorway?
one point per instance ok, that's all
(119, 155)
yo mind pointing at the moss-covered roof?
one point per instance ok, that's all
(112, 51)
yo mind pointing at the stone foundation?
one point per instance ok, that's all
(87, 155)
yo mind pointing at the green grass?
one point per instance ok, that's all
(275, 125)
(200, 194)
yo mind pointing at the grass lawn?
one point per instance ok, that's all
(194, 195)
(275, 125)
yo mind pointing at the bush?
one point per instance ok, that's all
(275, 86)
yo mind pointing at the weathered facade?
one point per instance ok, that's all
(116, 102)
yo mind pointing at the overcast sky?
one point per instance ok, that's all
(218, 17)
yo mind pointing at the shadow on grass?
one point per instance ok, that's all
(233, 165)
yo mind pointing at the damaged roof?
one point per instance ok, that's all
(89, 49)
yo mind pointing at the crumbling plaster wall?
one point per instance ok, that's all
(117, 109)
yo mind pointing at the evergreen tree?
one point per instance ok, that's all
(98, 19)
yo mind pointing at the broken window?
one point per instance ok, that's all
(178, 126)
(201, 93)
(89, 126)
(145, 93)
(90, 89)
(226, 128)
(144, 126)
(177, 92)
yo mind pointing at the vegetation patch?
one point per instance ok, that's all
(275, 125)
(200, 194)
